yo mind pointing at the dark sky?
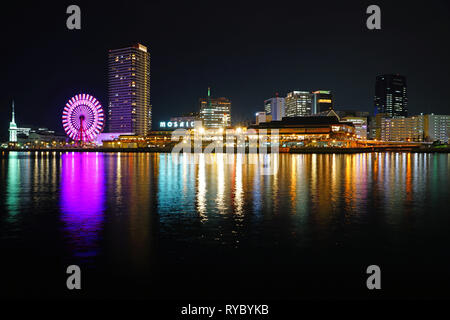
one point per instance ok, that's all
(244, 50)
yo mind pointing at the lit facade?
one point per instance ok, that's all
(263, 117)
(360, 124)
(13, 126)
(275, 107)
(129, 107)
(391, 95)
(15, 132)
(403, 129)
(437, 127)
(298, 104)
(301, 131)
(322, 101)
(215, 112)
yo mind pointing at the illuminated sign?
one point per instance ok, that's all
(324, 100)
(322, 91)
(176, 124)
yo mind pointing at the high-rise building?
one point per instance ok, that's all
(298, 104)
(437, 127)
(275, 107)
(390, 95)
(322, 101)
(215, 112)
(129, 109)
(13, 126)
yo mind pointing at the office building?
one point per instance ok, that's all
(275, 107)
(129, 108)
(215, 112)
(390, 95)
(322, 101)
(298, 104)
(262, 117)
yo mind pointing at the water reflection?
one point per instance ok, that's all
(218, 199)
(321, 190)
(13, 186)
(82, 201)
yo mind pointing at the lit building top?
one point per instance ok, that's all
(215, 112)
(298, 104)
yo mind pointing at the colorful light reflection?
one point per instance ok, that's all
(82, 200)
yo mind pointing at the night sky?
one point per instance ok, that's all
(245, 51)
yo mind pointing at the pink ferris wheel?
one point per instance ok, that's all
(83, 118)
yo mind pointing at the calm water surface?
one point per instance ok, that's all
(144, 225)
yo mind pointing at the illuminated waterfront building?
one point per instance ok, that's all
(437, 127)
(322, 101)
(403, 129)
(390, 95)
(215, 112)
(298, 104)
(129, 108)
(275, 107)
(296, 131)
(374, 126)
(360, 124)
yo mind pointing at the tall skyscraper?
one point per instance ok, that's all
(298, 104)
(275, 107)
(215, 112)
(322, 101)
(390, 95)
(13, 126)
(129, 109)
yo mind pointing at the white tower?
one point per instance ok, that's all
(13, 127)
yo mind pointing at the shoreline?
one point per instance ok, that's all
(290, 151)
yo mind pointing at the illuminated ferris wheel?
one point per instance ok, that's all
(83, 118)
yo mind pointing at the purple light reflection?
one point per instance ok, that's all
(82, 201)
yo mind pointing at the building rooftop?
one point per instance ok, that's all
(301, 121)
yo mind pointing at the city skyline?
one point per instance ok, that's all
(247, 77)
(204, 154)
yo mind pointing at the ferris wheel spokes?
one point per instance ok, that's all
(83, 118)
